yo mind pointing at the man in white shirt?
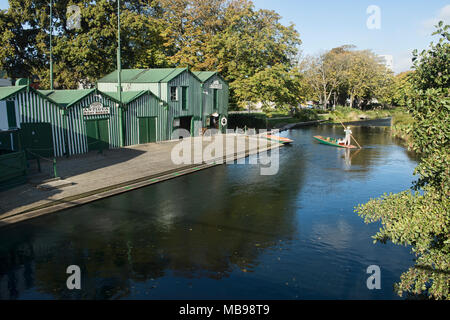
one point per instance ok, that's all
(347, 140)
(348, 134)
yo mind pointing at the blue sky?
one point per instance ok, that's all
(325, 24)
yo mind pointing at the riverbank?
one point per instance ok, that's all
(94, 176)
(347, 114)
(400, 123)
(300, 124)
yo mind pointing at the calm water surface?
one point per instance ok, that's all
(225, 233)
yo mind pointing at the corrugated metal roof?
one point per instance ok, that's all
(127, 96)
(144, 75)
(6, 92)
(204, 75)
(66, 98)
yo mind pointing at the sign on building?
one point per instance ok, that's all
(216, 85)
(96, 109)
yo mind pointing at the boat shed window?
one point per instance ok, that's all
(215, 99)
(184, 97)
(173, 94)
(11, 114)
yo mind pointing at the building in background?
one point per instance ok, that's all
(215, 97)
(144, 117)
(179, 88)
(388, 61)
(4, 80)
(91, 121)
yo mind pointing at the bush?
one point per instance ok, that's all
(421, 218)
(241, 120)
(305, 115)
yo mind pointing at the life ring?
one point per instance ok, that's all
(224, 121)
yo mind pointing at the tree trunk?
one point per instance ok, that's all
(351, 100)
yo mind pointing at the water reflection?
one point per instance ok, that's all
(228, 224)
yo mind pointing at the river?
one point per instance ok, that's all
(226, 232)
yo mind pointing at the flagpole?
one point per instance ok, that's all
(119, 65)
(119, 79)
(51, 48)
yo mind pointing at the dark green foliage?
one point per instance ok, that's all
(421, 219)
(251, 48)
(304, 115)
(241, 120)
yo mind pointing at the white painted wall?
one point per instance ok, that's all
(5, 82)
(3, 116)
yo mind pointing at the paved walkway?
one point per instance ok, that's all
(93, 176)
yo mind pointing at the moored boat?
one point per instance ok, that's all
(333, 142)
(278, 139)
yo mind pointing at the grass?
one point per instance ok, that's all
(401, 123)
(278, 123)
(347, 114)
(401, 119)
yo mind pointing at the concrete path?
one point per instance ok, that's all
(94, 176)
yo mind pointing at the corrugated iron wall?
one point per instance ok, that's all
(34, 108)
(77, 139)
(199, 105)
(208, 98)
(186, 79)
(145, 106)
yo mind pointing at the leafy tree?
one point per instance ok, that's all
(80, 55)
(275, 84)
(402, 88)
(347, 73)
(252, 49)
(421, 218)
(189, 28)
(325, 73)
(366, 78)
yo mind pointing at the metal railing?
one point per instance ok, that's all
(38, 158)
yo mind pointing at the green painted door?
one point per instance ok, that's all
(38, 138)
(11, 114)
(147, 130)
(97, 132)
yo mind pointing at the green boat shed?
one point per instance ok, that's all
(13, 169)
(39, 119)
(145, 117)
(91, 120)
(215, 97)
(179, 88)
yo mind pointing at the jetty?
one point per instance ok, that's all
(94, 176)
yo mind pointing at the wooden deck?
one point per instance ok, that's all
(94, 176)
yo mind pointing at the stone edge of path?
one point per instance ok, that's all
(106, 192)
(299, 124)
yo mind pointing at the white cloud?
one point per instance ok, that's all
(442, 15)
